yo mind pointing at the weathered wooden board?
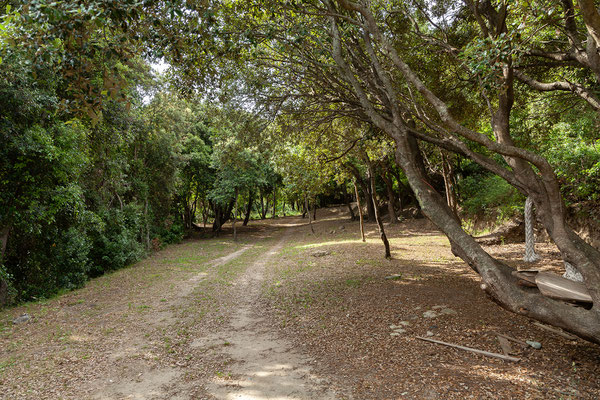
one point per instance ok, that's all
(557, 287)
(505, 345)
(526, 278)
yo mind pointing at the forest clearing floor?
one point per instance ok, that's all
(285, 314)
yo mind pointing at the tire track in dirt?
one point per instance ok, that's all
(264, 366)
(141, 380)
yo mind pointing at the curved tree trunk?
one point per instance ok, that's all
(496, 277)
(382, 234)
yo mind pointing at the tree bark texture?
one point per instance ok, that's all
(448, 172)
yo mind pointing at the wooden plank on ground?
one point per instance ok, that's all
(505, 344)
(472, 350)
(557, 287)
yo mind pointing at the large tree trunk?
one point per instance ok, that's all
(222, 215)
(529, 172)
(382, 234)
(248, 207)
(496, 276)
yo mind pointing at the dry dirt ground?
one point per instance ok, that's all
(285, 314)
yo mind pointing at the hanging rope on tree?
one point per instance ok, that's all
(530, 254)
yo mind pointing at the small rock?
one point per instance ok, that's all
(448, 311)
(404, 323)
(341, 228)
(394, 277)
(430, 314)
(429, 333)
(394, 334)
(22, 318)
(534, 344)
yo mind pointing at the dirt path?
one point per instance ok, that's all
(265, 367)
(286, 314)
(142, 380)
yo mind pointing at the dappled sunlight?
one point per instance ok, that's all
(508, 377)
(270, 381)
(329, 243)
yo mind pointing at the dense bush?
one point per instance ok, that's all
(486, 196)
(577, 162)
(78, 197)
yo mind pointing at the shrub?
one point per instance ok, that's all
(489, 196)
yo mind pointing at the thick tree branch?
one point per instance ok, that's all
(560, 85)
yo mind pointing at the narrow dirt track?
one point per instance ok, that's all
(265, 367)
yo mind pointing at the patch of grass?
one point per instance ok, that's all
(10, 362)
(353, 283)
(367, 262)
